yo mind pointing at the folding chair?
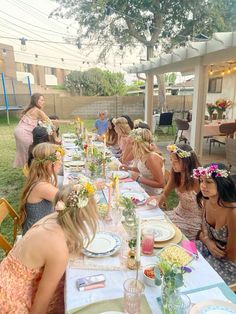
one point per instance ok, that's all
(181, 125)
(166, 119)
(5, 211)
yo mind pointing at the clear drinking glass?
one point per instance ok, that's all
(147, 241)
(181, 305)
(133, 290)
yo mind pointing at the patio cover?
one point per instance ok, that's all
(195, 58)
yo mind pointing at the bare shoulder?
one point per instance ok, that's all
(232, 212)
(154, 157)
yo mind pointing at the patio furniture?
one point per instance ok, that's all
(230, 148)
(6, 210)
(227, 129)
(181, 125)
(166, 119)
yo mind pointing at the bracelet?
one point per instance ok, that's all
(138, 179)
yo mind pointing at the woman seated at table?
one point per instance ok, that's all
(217, 239)
(41, 184)
(31, 276)
(187, 215)
(40, 135)
(122, 129)
(149, 165)
(127, 155)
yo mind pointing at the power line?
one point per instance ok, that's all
(40, 27)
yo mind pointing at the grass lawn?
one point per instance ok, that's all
(12, 179)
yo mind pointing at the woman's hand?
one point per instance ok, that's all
(160, 201)
(134, 175)
(214, 250)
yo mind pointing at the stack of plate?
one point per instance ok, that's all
(213, 307)
(104, 244)
(164, 232)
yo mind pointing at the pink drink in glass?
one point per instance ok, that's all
(148, 242)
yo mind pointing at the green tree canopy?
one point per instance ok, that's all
(95, 82)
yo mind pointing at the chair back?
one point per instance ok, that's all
(230, 149)
(5, 211)
(166, 118)
(228, 128)
(182, 124)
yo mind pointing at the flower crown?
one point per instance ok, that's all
(211, 171)
(176, 150)
(136, 135)
(78, 198)
(60, 152)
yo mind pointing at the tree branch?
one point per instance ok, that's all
(134, 33)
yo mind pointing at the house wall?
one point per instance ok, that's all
(7, 61)
(228, 92)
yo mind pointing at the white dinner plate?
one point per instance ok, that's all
(120, 174)
(104, 244)
(78, 163)
(213, 307)
(138, 197)
(163, 231)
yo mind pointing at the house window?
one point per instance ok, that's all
(215, 85)
(50, 71)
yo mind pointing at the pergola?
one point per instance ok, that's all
(196, 58)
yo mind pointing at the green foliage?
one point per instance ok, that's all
(135, 86)
(59, 87)
(149, 22)
(128, 205)
(95, 82)
(170, 78)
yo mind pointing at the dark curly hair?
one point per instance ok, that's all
(225, 187)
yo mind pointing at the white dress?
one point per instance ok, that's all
(146, 173)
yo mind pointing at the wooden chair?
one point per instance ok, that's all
(227, 129)
(230, 149)
(5, 211)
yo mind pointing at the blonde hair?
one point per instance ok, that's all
(141, 145)
(38, 172)
(122, 125)
(78, 223)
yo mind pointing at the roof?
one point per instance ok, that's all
(221, 48)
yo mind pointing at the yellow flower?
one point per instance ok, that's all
(89, 188)
(60, 150)
(171, 148)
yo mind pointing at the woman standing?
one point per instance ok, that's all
(41, 184)
(31, 276)
(187, 215)
(23, 131)
(149, 165)
(122, 129)
(217, 239)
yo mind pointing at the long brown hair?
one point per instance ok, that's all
(189, 163)
(33, 102)
(78, 223)
(38, 172)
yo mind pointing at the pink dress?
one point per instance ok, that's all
(24, 138)
(18, 286)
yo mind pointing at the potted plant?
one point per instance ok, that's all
(128, 211)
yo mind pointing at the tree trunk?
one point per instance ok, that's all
(161, 92)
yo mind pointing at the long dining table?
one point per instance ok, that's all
(202, 283)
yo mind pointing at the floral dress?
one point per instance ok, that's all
(19, 284)
(187, 215)
(226, 269)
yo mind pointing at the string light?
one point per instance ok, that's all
(4, 51)
(23, 43)
(211, 70)
(36, 57)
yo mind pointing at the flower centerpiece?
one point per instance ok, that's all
(169, 273)
(211, 108)
(128, 211)
(221, 106)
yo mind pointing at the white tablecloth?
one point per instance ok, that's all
(202, 275)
